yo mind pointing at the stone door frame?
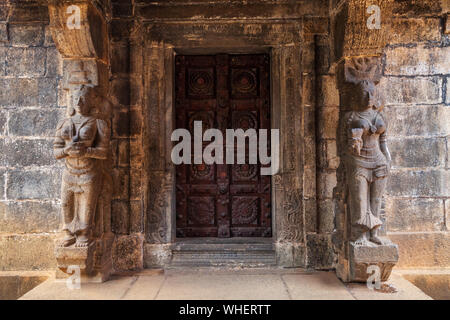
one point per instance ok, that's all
(282, 39)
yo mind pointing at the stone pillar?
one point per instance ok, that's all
(357, 55)
(79, 30)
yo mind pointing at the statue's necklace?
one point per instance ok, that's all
(373, 128)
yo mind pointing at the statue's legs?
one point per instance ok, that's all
(358, 187)
(377, 189)
(68, 210)
(87, 203)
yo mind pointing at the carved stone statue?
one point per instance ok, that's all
(363, 175)
(82, 140)
(367, 164)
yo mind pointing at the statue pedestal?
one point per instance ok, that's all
(92, 263)
(354, 266)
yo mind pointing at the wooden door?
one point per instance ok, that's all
(224, 92)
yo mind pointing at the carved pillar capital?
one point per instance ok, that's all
(362, 26)
(78, 29)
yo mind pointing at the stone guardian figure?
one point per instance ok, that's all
(82, 140)
(367, 162)
(363, 175)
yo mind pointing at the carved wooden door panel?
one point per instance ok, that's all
(224, 92)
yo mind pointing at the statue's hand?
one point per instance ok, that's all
(76, 150)
(355, 147)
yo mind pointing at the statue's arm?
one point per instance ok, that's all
(59, 144)
(100, 150)
(383, 144)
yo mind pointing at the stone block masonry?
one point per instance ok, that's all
(415, 86)
(29, 112)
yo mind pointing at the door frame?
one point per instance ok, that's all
(282, 40)
(264, 51)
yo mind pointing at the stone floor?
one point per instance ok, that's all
(205, 284)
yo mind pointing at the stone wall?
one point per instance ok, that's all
(415, 87)
(29, 110)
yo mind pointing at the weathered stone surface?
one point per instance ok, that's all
(53, 62)
(326, 215)
(23, 153)
(2, 184)
(328, 94)
(447, 96)
(2, 60)
(3, 32)
(310, 151)
(121, 180)
(120, 59)
(128, 253)
(122, 9)
(12, 287)
(417, 61)
(432, 248)
(48, 39)
(121, 124)
(33, 184)
(328, 122)
(47, 89)
(28, 13)
(123, 156)
(414, 215)
(328, 157)
(135, 153)
(309, 186)
(3, 121)
(26, 35)
(418, 90)
(407, 121)
(136, 217)
(418, 152)
(255, 9)
(414, 30)
(384, 256)
(416, 7)
(447, 215)
(430, 183)
(29, 217)
(120, 213)
(308, 92)
(135, 184)
(26, 252)
(18, 92)
(291, 255)
(36, 122)
(156, 255)
(447, 24)
(320, 251)
(135, 123)
(121, 91)
(310, 215)
(327, 181)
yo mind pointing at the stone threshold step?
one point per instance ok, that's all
(187, 246)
